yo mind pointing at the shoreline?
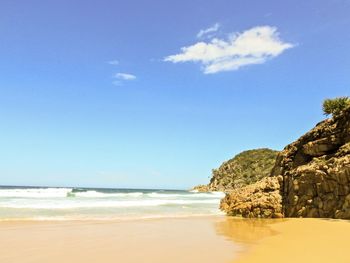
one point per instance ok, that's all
(174, 240)
(202, 239)
(216, 217)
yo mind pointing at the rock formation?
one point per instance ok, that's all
(261, 199)
(316, 171)
(201, 188)
(313, 174)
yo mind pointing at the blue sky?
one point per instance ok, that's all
(154, 94)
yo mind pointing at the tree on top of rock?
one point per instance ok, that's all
(335, 106)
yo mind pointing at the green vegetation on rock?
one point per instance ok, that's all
(245, 168)
(335, 106)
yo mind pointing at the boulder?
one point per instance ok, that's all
(261, 199)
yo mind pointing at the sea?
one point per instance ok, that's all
(56, 203)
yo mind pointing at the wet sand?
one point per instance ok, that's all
(203, 239)
(148, 241)
(302, 240)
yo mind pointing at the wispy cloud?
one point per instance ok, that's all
(124, 76)
(120, 77)
(113, 62)
(208, 30)
(253, 46)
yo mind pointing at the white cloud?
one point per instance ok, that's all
(124, 76)
(113, 62)
(253, 46)
(208, 30)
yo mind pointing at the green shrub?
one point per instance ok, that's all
(335, 106)
(245, 168)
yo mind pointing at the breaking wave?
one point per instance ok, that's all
(72, 203)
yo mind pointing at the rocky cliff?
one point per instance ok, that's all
(316, 171)
(245, 168)
(313, 174)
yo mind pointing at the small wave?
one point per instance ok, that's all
(187, 195)
(210, 194)
(95, 194)
(60, 192)
(35, 192)
(219, 194)
(102, 204)
(160, 195)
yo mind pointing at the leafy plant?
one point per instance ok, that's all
(335, 106)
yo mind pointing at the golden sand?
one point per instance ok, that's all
(303, 240)
(204, 240)
(143, 241)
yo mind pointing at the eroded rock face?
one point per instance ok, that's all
(261, 199)
(316, 171)
(313, 176)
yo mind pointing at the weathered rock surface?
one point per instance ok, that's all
(316, 171)
(261, 199)
(314, 177)
(201, 188)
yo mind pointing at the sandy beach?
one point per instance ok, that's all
(203, 239)
(302, 240)
(164, 240)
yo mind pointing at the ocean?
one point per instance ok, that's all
(54, 203)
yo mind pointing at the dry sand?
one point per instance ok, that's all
(204, 240)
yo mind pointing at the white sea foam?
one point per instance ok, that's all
(35, 192)
(80, 203)
(95, 194)
(68, 192)
(219, 194)
(100, 204)
(192, 195)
